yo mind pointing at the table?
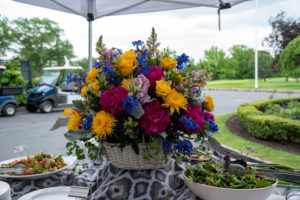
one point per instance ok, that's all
(109, 182)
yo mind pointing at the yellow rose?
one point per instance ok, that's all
(168, 63)
(94, 86)
(209, 105)
(163, 88)
(83, 91)
(127, 63)
(92, 75)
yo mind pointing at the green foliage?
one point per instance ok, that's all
(12, 76)
(40, 40)
(290, 58)
(218, 64)
(270, 127)
(244, 57)
(6, 36)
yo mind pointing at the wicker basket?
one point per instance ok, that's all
(128, 159)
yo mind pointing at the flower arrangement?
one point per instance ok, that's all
(140, 96)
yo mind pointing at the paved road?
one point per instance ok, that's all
(32, 129)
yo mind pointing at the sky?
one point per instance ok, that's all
(190, 31)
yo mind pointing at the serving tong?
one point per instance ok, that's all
(18, 169)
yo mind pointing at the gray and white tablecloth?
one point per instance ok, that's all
(110, 183)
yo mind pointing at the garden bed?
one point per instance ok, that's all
(269, 126)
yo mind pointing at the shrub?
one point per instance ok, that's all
(12, 76)
(270, 127)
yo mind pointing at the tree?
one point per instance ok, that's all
(265, 61)
(40, 40)
(6, 35)
(290, 58)
(82, 63)
(244, 57)
(283, 31)
(218, 64)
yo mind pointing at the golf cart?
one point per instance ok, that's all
(52, 91)
(8, 103)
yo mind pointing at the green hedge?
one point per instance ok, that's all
(269, 127)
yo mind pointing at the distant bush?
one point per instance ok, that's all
(269, 127)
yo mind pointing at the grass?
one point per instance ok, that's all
(270, 84)
(266, 153)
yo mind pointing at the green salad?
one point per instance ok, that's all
(212, 173)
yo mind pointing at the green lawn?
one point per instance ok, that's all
(266, 153)
(271, 84)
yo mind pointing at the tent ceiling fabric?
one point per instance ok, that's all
(101, 8)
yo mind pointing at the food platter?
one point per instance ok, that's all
(68, 160)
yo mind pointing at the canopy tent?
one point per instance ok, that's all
(94, 9)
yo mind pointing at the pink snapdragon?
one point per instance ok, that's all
(142, 84)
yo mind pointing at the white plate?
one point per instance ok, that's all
(68, 160)
(53, 193)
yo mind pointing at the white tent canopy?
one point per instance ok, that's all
(94, 9)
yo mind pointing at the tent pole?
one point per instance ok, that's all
(90, 18)
(256, 56)
(90, 46)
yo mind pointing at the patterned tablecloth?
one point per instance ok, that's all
(109, 182)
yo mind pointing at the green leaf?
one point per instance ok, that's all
(79, 105)
(262, 183)
(60, 122)
(73, 135)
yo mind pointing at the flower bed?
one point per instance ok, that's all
(263, 125)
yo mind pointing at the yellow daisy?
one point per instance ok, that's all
(103, 124)
(92, 75)
(163, 88)
(75, 121)
(67, 112)
(175, 101)
(209, 105)
(128, 63)
(83, 91)
(168, 63)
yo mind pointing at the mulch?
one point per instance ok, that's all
(235, 127)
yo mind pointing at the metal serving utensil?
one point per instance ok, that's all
(18, 168)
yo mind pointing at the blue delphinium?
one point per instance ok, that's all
(138, 44)
(75, 78)
(87, 123)
(168, 146)
(181, 61)
(130, 103)
(189, 123)
(184, 146)
(213, 127)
